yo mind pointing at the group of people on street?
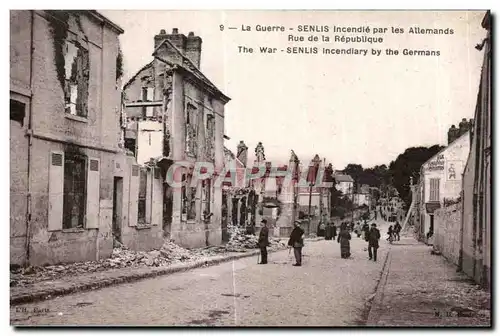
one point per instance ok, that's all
(330, 231)
(296, 242)
(370, 233)
(394, 232)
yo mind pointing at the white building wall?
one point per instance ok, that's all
(149, 140)
(344, 187)
(448, 165)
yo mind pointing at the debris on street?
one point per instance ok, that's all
(169, 253)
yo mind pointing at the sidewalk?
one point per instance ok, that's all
(93, 280)
(421, 289)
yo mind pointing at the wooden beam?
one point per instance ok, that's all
(144, 104)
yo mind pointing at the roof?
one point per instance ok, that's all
(107, 21)
(137, 74)
(445, 148)
(343, 178)
(486, 22)
(189, 67)
(228, 152)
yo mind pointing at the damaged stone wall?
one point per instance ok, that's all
(69, 245)
(20, 86)
(447, 223)
(133, 235)
(96, 136)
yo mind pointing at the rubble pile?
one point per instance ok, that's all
(240, 241)
(122, 257)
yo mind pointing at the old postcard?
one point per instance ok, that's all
(245, 168)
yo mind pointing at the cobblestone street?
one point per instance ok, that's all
(325, 291)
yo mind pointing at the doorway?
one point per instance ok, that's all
(167, 209)
(117, 207)
(224, 218)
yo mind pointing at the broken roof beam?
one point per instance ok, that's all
(144, 104)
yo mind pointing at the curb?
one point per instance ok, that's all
(71, 289)
(376, 303)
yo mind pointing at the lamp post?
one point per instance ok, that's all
(311, 176)
(352, 200)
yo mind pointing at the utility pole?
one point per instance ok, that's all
(312, 173)
(352, 200)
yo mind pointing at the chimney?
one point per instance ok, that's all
(178, 40)
(464, 126)
(193, 49)
(242, 153)
(453, 134)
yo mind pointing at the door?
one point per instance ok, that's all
(224, 218)
(167, 209)
(117, 207)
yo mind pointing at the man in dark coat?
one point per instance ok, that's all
(263, 242)
(297, 242)
(397, 230)
(373, 237)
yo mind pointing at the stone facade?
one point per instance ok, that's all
(65, 102)
(476, 233)
(447, 225)
(190, 110)
(440, 182)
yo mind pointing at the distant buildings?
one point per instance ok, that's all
(344, 183)
(363, 196)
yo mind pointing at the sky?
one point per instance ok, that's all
(345, 108)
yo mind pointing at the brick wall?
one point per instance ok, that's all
(447, 222)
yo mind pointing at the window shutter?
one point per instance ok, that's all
(134, 196)
(157, 203)
(149, 195)
(93, 193)
(150, 94)
(56, 190)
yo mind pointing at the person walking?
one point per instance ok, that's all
(373, 238)
(365, 229)
(297, 242)
(334, 231)
(344, 240)
(263, 242)
(328, 231)
(390, 233)
(397, 231)
(321, 229)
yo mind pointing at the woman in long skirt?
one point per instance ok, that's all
(344, 240)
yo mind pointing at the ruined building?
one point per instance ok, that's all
(64, 135)
(173, 113)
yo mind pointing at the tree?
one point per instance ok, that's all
(408, 164)
(355, 171)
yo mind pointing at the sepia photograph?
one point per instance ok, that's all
(250, 168)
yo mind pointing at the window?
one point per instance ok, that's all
(206, 192)
(147, 96)
(77, 71)
(75, 185)
(130, 145)
(17, 111)
(191, 129)
(141, 211)
(434, 190)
